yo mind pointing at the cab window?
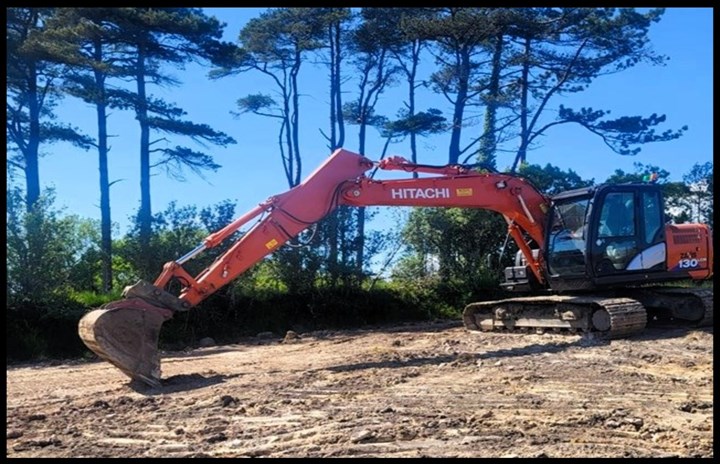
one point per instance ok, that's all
(652, 215)
(617, 218)
(567, 237)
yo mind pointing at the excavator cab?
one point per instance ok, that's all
(615, 235)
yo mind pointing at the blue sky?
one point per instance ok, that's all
(252, 171)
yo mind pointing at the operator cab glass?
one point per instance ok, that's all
(568, 234)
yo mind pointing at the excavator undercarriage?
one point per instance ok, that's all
(613, 315)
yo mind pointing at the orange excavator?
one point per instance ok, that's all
(589, 259)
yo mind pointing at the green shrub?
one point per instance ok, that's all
(44, 330)
(90, 299)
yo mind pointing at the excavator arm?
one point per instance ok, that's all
(125, 332)
(522, 206)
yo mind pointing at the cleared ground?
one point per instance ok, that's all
(416, 390)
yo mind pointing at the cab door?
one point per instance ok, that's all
(627, 234)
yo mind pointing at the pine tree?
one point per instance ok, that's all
(157, 37)
(33, 77)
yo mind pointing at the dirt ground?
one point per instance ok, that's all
(433, 390)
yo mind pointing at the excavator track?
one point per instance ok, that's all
(678, 305)
(706, 296)
(609, 317)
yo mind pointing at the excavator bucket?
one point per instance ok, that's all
(125, 333)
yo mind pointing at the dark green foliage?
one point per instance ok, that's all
(336, 242)
(42, 252)
(551, 180)
(296, 267)
(227, 316)
(623, 133)
(176, 231)
(355, 113)
(42, 248)
(174, 160)
(421, 123)
(259, 104)
(43, 329)
(461, 246)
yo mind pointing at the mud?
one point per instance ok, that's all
(433, 390)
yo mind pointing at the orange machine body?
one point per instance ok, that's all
(689, 249)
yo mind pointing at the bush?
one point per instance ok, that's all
(45, 330)
(234, 313)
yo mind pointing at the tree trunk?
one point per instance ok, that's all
(105, 218)
(145, 214)
(459, 110)
(289, 165)
(360, 249)
(524, 89)
(337, 139)
(411, 100)
(488, 140)
(295, 119)
(32, 165)
(338, 87)
(333, 91)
